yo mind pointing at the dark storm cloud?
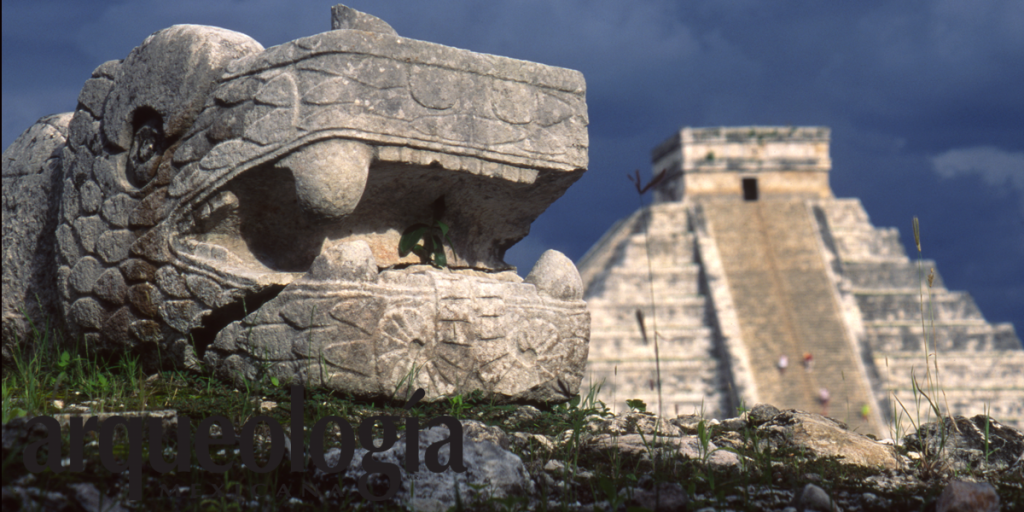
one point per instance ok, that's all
(923, 97)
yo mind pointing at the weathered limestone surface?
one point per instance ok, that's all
(962, 443)
(705, 161)
(206, 186)
(31, 181)
(828, 438)
(738, 283)
(980, 364)
(691, 377)
(406, 329)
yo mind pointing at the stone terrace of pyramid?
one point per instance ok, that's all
(748, 257)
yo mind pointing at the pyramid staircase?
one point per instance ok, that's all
(785, 304)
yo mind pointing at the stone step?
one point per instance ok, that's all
(877, 244)
(679, 311)
(971, 337)
(890, 275)
(636, 283)
(639, 373)
(665, 260)
(633, 348)
(957, 369)
(970, 383)
(846, 213)
(644, 301)
(664, 325)
(906, 306)
(679, 403)
(684, 384)
(659, 221)
(668, 249)
(617, 332)
(602, 256)
(668, 334)
(668, 217)
(682, 336)
(646, 358)
(1005, 405)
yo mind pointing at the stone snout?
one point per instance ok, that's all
(351, 327)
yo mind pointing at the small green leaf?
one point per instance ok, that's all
(637, 405)
(412, 235)
(607, 487)
(433, 237)
(430, 245)
(275, 382)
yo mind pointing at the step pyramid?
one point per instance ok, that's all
(746, 257)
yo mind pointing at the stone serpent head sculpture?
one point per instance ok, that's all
(219, 206)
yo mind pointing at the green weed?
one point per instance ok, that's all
(427, 240)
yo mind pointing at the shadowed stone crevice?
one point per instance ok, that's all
(32, 174)
(221, 317)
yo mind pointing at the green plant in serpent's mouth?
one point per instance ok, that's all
(427, 240)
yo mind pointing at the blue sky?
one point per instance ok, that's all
(923, 97)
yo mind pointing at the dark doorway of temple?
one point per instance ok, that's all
(750, 189)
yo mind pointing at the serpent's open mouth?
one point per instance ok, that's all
(264, 226)
(251, 229)
(267, 224)
(321, 294)
(261, 230)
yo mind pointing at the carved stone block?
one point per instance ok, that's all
(242, 207)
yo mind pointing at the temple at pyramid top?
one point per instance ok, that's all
(769, 160)
(760, 286)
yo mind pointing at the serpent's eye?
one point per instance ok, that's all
(147, 144)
